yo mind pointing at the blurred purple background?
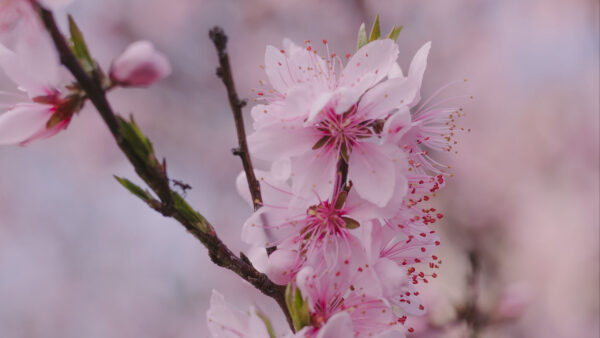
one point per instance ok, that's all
(81, 257)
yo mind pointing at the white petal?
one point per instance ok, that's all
(418, 66)
(339, 325)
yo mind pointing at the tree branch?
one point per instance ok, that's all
(154, 173)
(224, 72)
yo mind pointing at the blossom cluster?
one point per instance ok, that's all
(344, 210)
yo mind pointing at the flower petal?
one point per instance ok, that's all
(370, 64)
(373, 172)
(23, 121)
(339, 325)
(387, 96)
(277, 69)
(417, 68)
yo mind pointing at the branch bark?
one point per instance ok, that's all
(154, 173)
(224, 72)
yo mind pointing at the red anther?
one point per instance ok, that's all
(417, 260)
(261, 93)
(437, 243)
(426, 198)
(346, 261)
(423, 249)
(423, 234)
(440, 215)
(434, 275)
(421, 307)
(309, 48)
(324, 41)
(347, 55)
(337, 274)
(411, 330)
(333, 55)
(282, 51)
(434, 257)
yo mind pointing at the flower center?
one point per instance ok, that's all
(342, 131)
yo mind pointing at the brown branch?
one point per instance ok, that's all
(224, 72)
(154, 173)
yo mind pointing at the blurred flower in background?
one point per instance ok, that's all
(80, 257)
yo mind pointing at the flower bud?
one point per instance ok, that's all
(139, 65)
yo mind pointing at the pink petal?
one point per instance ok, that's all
(34, 65)
(417, 68)
(395, 71)
(285, 139)
(387, 96)
(23, 121)
(339, 325)
(281, 266)
(55, 4)
(370, 64)
(140, 65)
(226, 322)
(277, 69)
(373, 173)
(314, 175)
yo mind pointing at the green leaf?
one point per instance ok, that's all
(133, 135)
(267, 322)
(79, 47)
(375, 30)
(394, 33)
(362, 36)
(134, 189)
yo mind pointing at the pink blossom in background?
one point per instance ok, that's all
(140, 65)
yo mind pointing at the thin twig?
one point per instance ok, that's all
(224, 72)
(171, 204)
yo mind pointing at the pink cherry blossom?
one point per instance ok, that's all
(337, 305)
(320, 113)
(11, 11)
(140, 65)
(35, 68)
(226, 322)
(312, 231)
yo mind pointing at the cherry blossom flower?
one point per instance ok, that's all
(140, 65)
(226, 322)
(338, 308)
(34, 66)
(321, 232)
(319, 115)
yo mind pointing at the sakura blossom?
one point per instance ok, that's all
(321, 111)
(45, 107)
(140, 65)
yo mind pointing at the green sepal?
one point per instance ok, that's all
(298, 308)
(395, 33)
(362, 36)
(133, 135)
(134, 188)
(267, 322)
(79, 47)
(375, 30)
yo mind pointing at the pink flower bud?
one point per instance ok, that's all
(140, 65)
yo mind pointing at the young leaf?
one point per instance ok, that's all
(267, 322)
(79, 46)
(362, 36)
(297, 307)
(394, 33)
(142, 145)
(375, 30)
(133, 188)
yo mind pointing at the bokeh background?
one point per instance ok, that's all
(81, 257)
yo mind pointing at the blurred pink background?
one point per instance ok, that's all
(81, 257)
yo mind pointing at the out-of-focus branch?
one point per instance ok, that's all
(224, 72)
(154, 173)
